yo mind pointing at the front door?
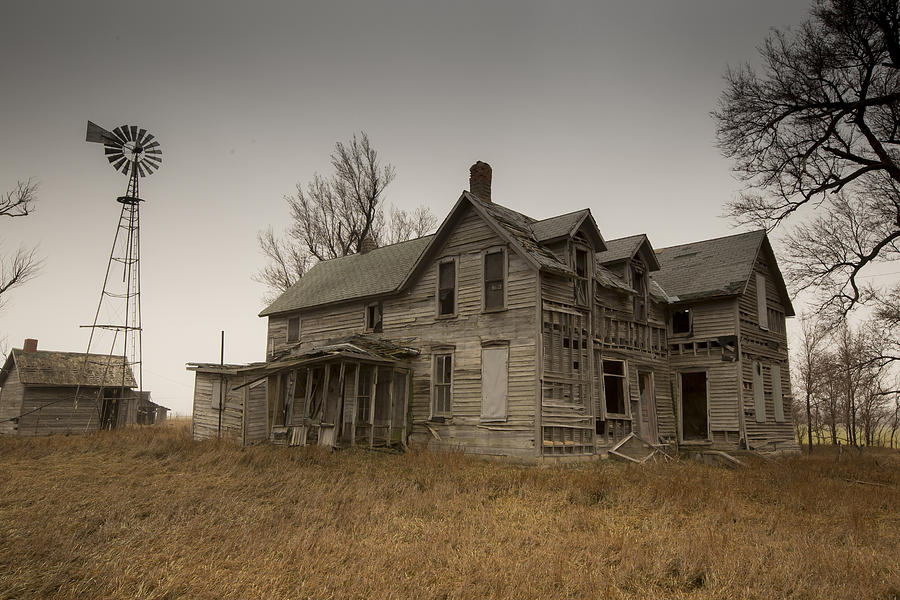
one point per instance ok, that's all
(694, 407)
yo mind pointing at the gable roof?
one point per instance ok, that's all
(715, 268)
(378, 271)
(625, 248)
(67, 369)
(562, 226)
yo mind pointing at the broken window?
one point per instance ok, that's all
(681, 321)
(374, 315)
(581, 281)
(447, 288)
(776, 320)
(614, 386)
(639, 283)
(443, 376)
(293, 332)
(494, 279)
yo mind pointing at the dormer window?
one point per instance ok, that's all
(639, 283)
(581, 277)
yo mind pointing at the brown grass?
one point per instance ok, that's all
(148, 513)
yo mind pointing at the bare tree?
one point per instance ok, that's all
(331, 216)
(23, 264)
(810, 365)
(819, 128)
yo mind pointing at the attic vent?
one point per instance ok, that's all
(687, 254)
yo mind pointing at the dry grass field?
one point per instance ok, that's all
(148, 513)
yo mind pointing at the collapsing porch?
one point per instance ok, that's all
(354, 392)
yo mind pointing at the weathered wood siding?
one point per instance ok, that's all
(411, 318)
(206, 414)
(256, 427)
(11, 395)
(55, 412)
(769, 347)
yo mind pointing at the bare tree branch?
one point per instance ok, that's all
(20, 201)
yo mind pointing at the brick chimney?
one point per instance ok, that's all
(30, 345)
(480, 180)
(368, 244)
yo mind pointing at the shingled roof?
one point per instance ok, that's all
(626, 247)
(67, 369)
(378, 271)
(709, 268)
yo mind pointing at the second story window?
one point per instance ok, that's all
(581, 277)
(681, 321)
(374, 315)
(447, 288)
(494, 279)
(639, 283)
(761, 304)
(293, 329)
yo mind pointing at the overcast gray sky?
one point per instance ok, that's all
(575, 104)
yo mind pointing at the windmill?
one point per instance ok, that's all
(135, 153)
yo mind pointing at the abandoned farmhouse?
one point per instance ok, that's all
(45, 392)
(504, 335)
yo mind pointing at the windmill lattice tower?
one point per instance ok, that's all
(135, 153)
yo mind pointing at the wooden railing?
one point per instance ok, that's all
(631, 335)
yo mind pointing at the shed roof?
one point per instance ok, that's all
(378, 271)
(67, 369)
(709, 268)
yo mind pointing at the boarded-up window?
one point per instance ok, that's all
(216, 393)
(447, 288)
(293, 333)
(759, 396)
(761, 301)
(494, 382)
(614, 386)
(443, 376)
(494, 279)
(777, 395)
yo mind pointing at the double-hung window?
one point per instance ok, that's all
(443, 378)
(494, 279)
(447, 288)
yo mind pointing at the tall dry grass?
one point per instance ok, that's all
(148, 513)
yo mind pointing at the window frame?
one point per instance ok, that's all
(437, 286)
(582, 280)
(607, 414)
(639, 271)
(504, 278)
(690, 330)
(288, 332)
(377, 326)
(435, 358)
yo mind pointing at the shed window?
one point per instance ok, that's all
(681, 321)
(494, 279)
(614, 386)
(581, 281)
(293, 333)
(443, 376)
(374, 314)
(447, 288)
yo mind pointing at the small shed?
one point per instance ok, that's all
(149, 412)
(43, 392)
(225, 406)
